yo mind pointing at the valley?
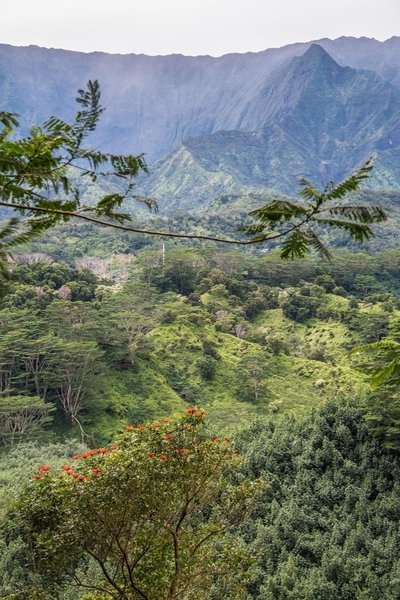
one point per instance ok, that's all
(188, 419)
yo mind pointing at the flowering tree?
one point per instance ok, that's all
(149, 518)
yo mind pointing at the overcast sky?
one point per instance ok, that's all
(191, 26)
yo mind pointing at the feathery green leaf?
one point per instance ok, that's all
(295, 246)
(351, 183)
(361, 214)
(358, 231)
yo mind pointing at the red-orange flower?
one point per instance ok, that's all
(163, 456)
(217, 439)
(66, 468)
(190, 411)
(165, 420)
(44, 468)
(151, 454)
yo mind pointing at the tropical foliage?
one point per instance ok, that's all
(41, 173)
(299, 222)
(242, 335)
(35, 172)
(90, 343)
(327, 526)
(152, 515)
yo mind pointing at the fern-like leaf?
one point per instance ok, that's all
(295, 246)
(391, 369)
(358, 231)
(316, 243)
(86, 119)
(361, 214)
(385, 344)
(308, 191)
(389, 372)
(278, 211)
(351, 183)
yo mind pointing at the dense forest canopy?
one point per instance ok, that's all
(244, 336)
(211, 326)
(328, 526)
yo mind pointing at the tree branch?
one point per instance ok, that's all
(153, 232)
(106, 574)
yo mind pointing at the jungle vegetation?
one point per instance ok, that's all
(289, 489)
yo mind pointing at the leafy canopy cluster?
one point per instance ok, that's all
(35, 172)
(46, 363)
(327, 527)
(207, 326)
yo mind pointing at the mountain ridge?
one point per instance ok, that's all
(325, 120)
(154, 103)
(372, 40)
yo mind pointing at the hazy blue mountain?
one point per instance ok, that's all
(154, 103)
(366, 53)
(320, 120)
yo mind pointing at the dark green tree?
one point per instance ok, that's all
(22, 416)
(326, 528)
(299, 306)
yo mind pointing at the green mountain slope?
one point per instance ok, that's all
(321, 121)
(242, 336)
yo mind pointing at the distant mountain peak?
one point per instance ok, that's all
(318, 51)
(317, 56)
(313, 75)
(319, 119)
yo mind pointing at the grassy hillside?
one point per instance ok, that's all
(240, 335)
(311, 366)
(295, 383)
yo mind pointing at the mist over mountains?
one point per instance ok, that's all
(320, 120)
(230, 124)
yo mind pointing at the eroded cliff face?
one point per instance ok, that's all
(319, 120)
(154, 103)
